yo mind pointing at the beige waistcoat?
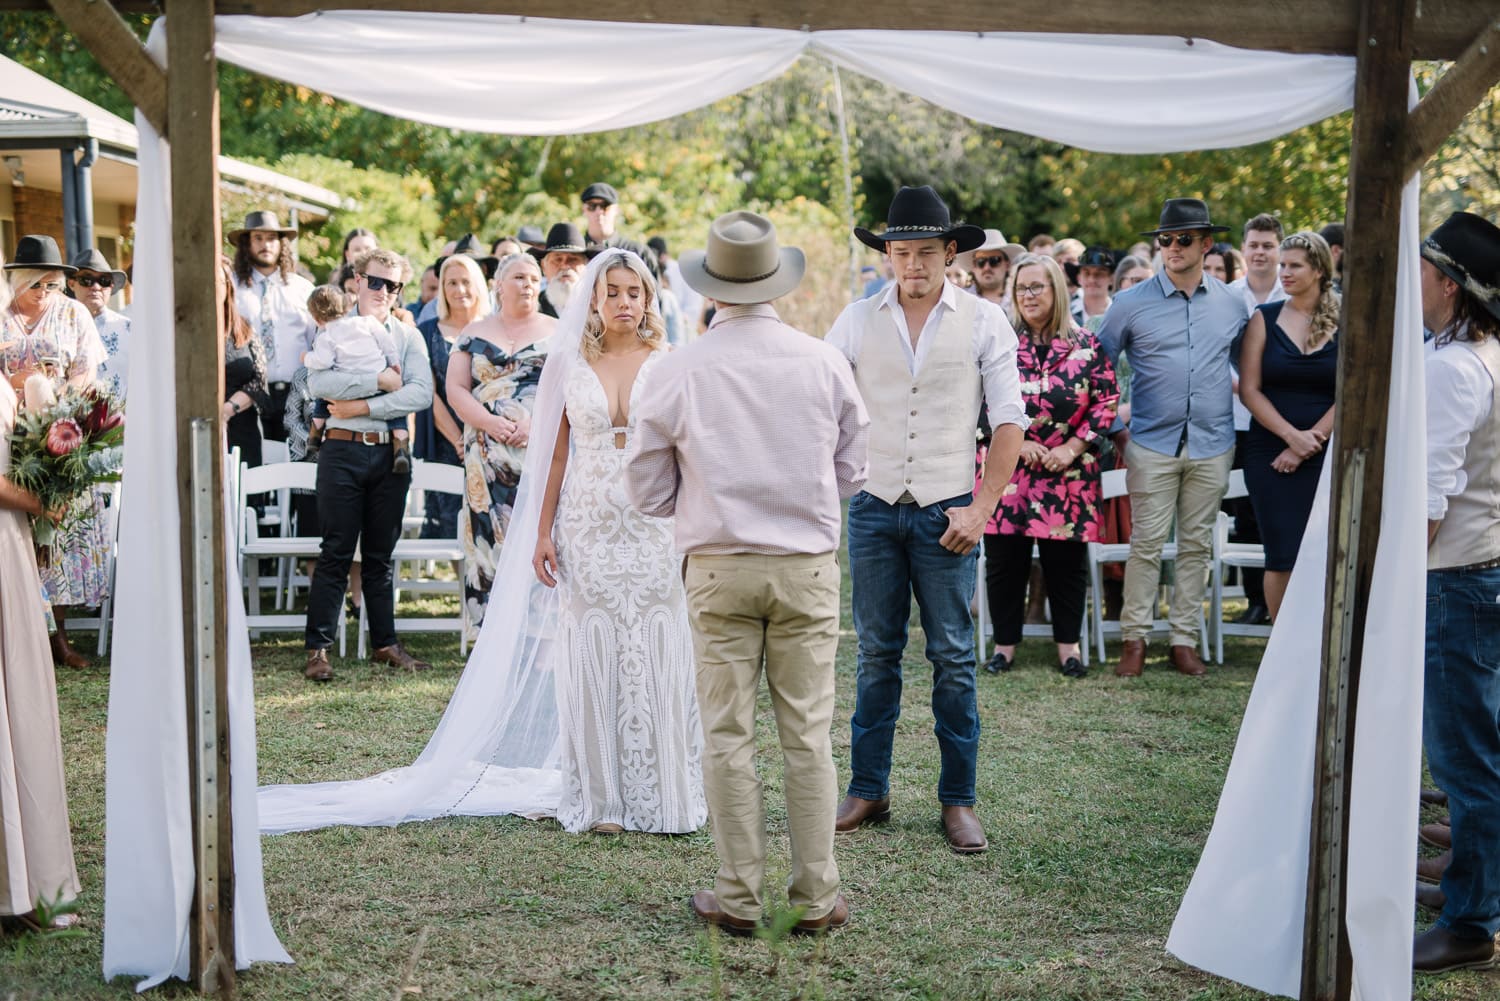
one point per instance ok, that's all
(922, 427)
(1470, 531)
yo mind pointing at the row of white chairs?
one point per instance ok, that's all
(273, 535)
(1212, 627)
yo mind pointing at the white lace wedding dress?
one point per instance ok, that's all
(630, 739)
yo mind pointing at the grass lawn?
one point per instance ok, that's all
(1097, 795)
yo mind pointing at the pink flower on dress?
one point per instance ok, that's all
(63, 437)
(1049, 525)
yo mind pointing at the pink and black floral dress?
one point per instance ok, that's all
(1070, 391)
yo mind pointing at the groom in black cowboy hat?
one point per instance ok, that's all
(1461, 695)
(925, 356)
(1177, 328)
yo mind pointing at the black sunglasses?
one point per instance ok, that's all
(89, 281)
(377, 284)
(990, 262)
(1182, 239)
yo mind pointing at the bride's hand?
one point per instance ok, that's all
(544, 562)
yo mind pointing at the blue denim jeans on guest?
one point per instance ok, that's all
(894, 555)
(1460, 707)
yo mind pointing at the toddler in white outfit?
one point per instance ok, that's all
(357, 345)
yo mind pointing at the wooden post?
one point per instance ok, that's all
(1384, 53)
(193, 132)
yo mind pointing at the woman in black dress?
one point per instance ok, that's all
(244, 374)
(1288, 371)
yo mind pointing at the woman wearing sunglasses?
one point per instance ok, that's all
(1052, 501)
(48, 333)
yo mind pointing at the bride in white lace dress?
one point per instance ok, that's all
(630, 739)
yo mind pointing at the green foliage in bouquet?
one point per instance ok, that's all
(60, 449)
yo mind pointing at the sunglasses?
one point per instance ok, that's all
(102, 281)
(991, 262)
(46, 286)
(377, 284)
(595, 206)
(1181, 239)
(1030, 291)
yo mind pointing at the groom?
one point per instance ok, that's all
(751, 436)
(925, 356)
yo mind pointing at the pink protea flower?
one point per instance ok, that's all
(63, 437)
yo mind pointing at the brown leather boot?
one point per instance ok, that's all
(1436, 835)
(1132, 659)
(1187, 661)
(964, 831)
(854, 812)
(63, 654)
(1430, 870)
(396, 656)
(318, 668)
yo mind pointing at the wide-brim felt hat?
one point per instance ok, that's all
(531, 236)
(994, 239)
(564, 238)
(1178, 214)
(743, 262)
(92, 260)
(1466, 248)
(470, 246)
(260, 222)
(38, 252)
(921, 214)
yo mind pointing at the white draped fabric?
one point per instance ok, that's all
(148, 845)
(1243, 914)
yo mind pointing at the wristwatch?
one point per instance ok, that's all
(233, 405)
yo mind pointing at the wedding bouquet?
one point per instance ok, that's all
(62, 446)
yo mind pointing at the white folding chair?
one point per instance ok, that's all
(442, 478)
(1112, 484)
(1241, 555)
(276, 477)
(101, 621)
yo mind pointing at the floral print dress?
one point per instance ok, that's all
(1070, 391)
(503, 384)
(65, 345)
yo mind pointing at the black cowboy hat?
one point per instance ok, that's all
(1466, 248)
(530, 236)
(920, 214)
(1178, 214)
(92, 260)
(262, 221)
(38, 252)
(564, 238)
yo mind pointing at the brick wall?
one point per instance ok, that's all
(39, 211)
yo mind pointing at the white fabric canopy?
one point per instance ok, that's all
(1134, 95)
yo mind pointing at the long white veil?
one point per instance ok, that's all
(495, 751)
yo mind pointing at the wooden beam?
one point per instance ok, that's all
(193, 121)
(1457, 92)
(1366, 335)
(110, 41)
(1442, 30)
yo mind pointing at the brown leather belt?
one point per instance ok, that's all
(1486, 565)
(363, 437)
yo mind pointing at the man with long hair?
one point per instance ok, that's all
(272, 298)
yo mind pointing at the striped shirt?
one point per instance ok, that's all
(750, 436)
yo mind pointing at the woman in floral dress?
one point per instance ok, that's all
(45, 331)
(493, 373)
(1052, 500)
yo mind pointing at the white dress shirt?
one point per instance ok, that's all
(994, 346)
(1459, 395)
(279, 301)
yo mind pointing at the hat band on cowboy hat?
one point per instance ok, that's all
(920, 214)
(1466, 248)
(743, 262)
(1178, 214)
(93, 260)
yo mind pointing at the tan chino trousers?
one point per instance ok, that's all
(1163, 487)
(783, 612)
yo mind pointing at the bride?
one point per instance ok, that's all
(631, 740)
(578, 700)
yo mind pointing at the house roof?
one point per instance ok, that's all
(35, 112)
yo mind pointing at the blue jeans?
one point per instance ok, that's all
(893, 555)
(1459, 711)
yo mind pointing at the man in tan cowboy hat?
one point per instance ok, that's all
(751, 435)
(273, 300)
(925, 355)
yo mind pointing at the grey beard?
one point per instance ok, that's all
(559, 292)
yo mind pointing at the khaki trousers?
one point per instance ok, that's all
(782, 611)
(1161, 487)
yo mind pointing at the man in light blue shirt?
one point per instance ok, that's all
(1177, 328)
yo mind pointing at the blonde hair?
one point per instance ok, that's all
(23, 278)
(327, 303)
(476, 279)
(1325, 318)
(652, 331)
(1060, 323)
(1068, 245)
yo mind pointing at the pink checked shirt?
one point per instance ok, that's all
(751, 435)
